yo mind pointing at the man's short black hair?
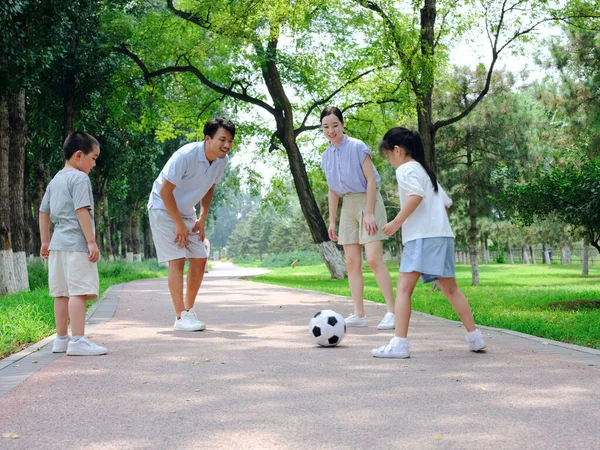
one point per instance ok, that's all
(213, 125)
(78, 140)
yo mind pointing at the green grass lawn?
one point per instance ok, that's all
(515, 297)
(27, 317)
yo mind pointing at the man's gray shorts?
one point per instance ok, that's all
(163, 234)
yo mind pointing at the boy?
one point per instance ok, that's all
(72, 252)
(189, 177)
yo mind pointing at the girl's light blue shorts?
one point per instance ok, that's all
(432, 257)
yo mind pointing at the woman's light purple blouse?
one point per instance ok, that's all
(343, 166)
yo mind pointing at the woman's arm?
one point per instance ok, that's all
(332, 200)
(369, 172)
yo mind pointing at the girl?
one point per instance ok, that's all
(351, 174)
(427, 238)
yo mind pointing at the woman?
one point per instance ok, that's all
(350, 174)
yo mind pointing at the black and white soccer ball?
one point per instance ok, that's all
(327, 328)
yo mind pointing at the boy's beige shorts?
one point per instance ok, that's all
(71, 273)
(163, 234)
(352, 226)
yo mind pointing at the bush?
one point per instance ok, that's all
(501, 258)
(37, 272)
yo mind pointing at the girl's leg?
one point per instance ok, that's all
(77, 314)
(374, 251)
(355, 277)
(404, 289)
(61, 315)
(458, 301)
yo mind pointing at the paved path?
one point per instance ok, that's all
(254, 380)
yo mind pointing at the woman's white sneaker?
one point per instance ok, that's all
(354, 321)
(84, 347)
(475, 341)
(60, 345)
(189, 322)
(397, 348)
(388, 322)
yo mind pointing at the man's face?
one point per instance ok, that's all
(219, 145)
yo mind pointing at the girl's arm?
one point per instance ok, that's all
(45, 234)
(83, 215)
(369, 172)
(390, 228)
(332, 200)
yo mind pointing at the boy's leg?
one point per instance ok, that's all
(61, 315)
(77, 314)
(176, 284)
(374, 252)
(355, 277)
(406, 285)
(195, 276)
(458, 301)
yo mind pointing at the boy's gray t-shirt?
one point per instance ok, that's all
(68, 191)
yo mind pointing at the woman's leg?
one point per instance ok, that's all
(374, 251)
(355, 277)
(458, 301)
(406, 285)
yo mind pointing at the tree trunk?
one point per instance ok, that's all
(128, 240)
(69, 90)
(107, 229)
(533, 260)
(135, 233)
(511, 258)
(123, 235)
(525, 255)
(18, 143)
(28, 218)
(585, 256)
(148, 242)
(545, 255)
(473, 254)
(97, 192)
(284, 119)
(7, 276)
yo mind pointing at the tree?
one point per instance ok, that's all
(245, 52)
(570, 193)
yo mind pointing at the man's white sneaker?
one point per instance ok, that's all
(388, 322)
(397, 348)
(84, 347)
(60, 345)
(354, 321)
(475, 341)
(189, 322)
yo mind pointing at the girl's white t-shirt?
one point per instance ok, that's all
(430, 219)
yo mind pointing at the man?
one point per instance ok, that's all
(189, 177)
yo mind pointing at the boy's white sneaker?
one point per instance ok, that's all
(189, 322)
(397, 348)
(475, 341)
(388, 322)
(84, 347)
(354, 321)
(60, 345)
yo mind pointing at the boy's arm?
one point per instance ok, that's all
(45, 234)
(411, 204)
(204, 206)
(181, 231)
(85, 221)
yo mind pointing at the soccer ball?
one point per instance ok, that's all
(327, 328)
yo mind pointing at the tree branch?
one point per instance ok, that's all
(194, 18)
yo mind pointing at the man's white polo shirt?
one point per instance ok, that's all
(192, 174)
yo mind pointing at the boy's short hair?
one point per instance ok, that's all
(78, 140)
(213, 125)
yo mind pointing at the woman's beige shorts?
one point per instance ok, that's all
(163, 234)
(71, 273)
(352, 226)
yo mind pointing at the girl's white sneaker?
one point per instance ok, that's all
(397, 348)
(475, 341)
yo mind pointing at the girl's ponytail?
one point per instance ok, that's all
(411, 142)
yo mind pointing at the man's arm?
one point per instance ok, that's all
(181, 232)
(204, 206)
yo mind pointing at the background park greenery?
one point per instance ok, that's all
(517, 150)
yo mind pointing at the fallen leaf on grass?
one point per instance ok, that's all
(10, 436)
